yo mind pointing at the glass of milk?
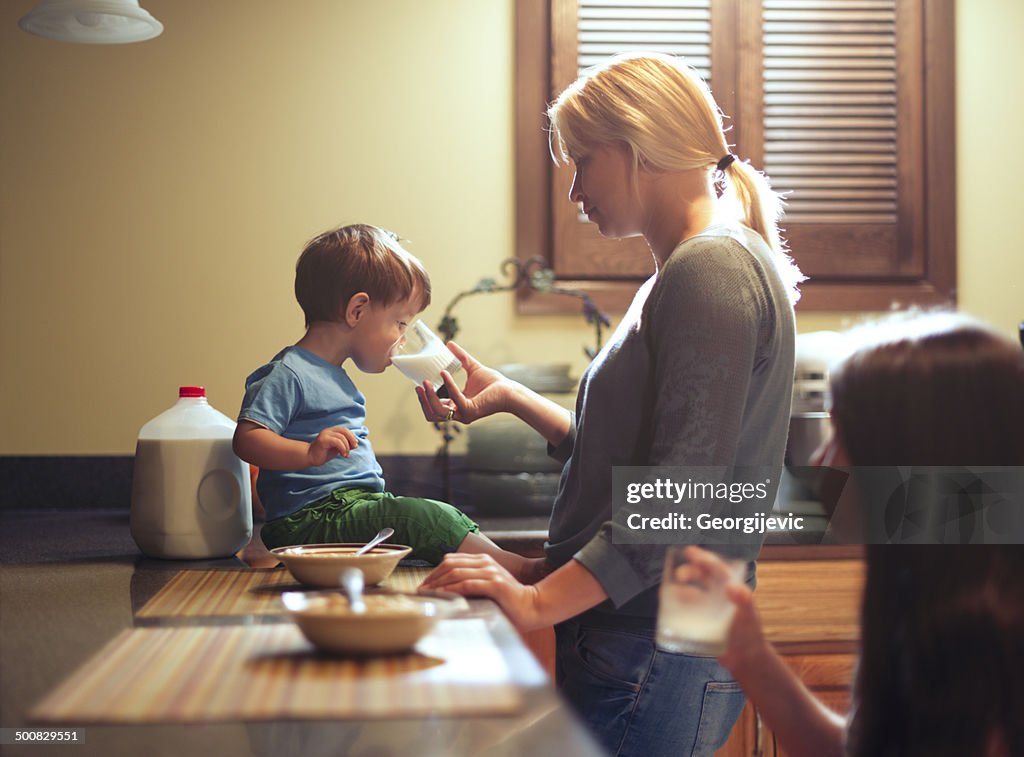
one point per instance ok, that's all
(694, 614)
(421, 356)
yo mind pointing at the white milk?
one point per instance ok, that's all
(428, 364)
(694, 613)
(191, 496)
(693, 630)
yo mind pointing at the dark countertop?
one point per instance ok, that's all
(71, 580)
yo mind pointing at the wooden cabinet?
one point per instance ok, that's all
(809, 599)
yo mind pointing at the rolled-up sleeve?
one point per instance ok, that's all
(563, 451)
(623, 570)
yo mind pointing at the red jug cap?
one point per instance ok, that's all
(191, 391)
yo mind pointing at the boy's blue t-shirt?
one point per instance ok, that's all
(298, 395)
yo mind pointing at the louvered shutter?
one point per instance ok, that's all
(590, 33)
(842, 133)
(607, 27)
(846, 104)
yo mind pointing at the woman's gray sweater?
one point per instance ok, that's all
(699, 372)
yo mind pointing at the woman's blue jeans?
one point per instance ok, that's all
(641, 700)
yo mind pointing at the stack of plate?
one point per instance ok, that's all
(550, 378)
(509, 471)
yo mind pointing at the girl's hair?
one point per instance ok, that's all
(358, 258)
(941, 672)
(942, 626)
(664, 112)
(930, 389)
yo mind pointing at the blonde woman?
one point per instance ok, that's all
(698, 372)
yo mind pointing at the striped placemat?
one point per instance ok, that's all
(219, 593)
(270, 672)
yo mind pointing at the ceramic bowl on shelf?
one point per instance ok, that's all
(321, 564)
(390, 624)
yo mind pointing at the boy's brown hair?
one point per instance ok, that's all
(356, 258)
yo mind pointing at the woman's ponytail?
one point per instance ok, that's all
(761, 207)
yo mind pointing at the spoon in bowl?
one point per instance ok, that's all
(352, 582)
(382, 535)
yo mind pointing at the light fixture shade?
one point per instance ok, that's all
(93, 22)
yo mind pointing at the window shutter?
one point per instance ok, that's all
(842, 133)
(680, 27)
(847, 105)
(589, 33)
(830, 110)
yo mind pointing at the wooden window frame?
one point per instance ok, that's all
(926, 271)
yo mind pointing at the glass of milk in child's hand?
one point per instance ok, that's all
(694, 613)
(421, 356)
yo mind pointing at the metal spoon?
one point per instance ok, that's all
(383, 534)
(352, 582)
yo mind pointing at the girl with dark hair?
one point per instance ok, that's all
(941, 671)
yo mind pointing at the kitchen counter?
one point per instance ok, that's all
(72, 580)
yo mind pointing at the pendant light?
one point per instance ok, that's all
(91, 22)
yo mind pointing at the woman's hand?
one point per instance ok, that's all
(479, 575)
(746, 634)
(486, 392)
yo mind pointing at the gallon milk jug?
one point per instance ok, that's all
(191, 496)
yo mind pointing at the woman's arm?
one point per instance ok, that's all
(562, 594)
(548, 418)
(488, 392)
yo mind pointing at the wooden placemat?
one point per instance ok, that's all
(219, 593)
(270, 672)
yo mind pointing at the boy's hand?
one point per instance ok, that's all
(330, 443)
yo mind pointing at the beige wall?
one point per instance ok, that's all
(989, 123)
(155, 196)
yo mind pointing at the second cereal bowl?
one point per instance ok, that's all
(390, 623)
(321, 564)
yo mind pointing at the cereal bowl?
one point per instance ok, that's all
(321, 564)
(391, 623)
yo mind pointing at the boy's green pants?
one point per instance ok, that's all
(430, 527)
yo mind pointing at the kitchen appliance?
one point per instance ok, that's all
(809, 422)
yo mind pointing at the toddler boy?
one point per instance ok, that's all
(303, 421)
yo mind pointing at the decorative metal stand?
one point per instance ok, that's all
(531, 274)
